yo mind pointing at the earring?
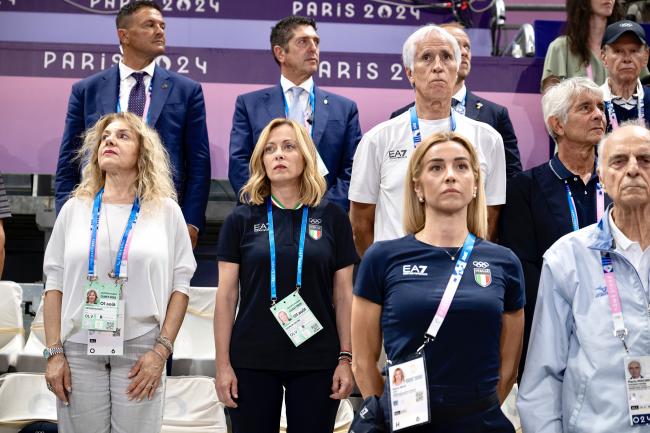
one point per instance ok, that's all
(474, 193)
(421, 199)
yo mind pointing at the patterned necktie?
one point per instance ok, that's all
(296, 112)
(458, 106)
(137, 97)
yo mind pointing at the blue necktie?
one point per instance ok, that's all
(137, 97)
(296, 113)
(458, 106)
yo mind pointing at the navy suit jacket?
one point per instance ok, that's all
(176, 111)
(336, 133)
(497, 117)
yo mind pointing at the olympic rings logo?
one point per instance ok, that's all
(481, 264)
(315, 220)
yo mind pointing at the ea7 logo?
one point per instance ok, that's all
(414, 270)
(397, 154)
(262, 227)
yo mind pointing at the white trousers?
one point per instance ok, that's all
(98, 401)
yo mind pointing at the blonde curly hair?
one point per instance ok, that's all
(153, 182)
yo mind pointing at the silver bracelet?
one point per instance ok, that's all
(166, 342)
(163, 359)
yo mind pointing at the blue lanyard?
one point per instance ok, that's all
(312, 104)
(415, 125)
(97, 204)
(301, 249)
(600, 200)
(118, 109)
(572, 207)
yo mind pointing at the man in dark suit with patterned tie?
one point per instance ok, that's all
(170, 103)
(332, 119)
(477, 108)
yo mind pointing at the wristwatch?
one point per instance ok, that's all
(49, 352)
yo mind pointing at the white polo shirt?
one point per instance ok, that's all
(381, 162)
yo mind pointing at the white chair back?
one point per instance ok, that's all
(38, 327)
(30, 359)
(11, 315)
(344, 417)
(191, 405)
(509, 408)
(24, 398)
(194, 346)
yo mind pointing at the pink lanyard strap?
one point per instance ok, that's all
(620, 331)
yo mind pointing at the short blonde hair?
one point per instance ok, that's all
(312, 184)
(414, 212)
(153, 182)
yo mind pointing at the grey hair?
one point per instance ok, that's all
(408, 49)
(557, 100)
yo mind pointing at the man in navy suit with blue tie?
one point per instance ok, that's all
(332, 119)
(170, 103)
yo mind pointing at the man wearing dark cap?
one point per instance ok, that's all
(624, 53)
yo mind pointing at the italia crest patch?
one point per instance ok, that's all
(482, 274)
(315, 231)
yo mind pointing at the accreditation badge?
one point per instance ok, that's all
(107, 342)
(637, 380)
(101, 306)
(408, 393)
(296, 319)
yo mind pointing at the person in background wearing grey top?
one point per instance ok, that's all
(5, 212)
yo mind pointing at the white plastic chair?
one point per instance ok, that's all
(344, 417)
(12, 334)
(194, 346)
(30, 359)
(191, 405)
(24, 398)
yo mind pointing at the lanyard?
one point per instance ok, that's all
(450, 290)
(600, 204)
(611, 113)
(147, 105)
(415, 125)
(123, 251)
(613, 121)
(301, 249)
(620, 330)
(312, 104)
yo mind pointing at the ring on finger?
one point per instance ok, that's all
(148, 386)
(49, 387)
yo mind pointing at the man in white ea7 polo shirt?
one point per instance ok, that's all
(430, 57)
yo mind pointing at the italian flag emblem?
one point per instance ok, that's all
(315, 231)
(483, 277)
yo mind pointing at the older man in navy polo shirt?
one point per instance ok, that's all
(561, 195)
